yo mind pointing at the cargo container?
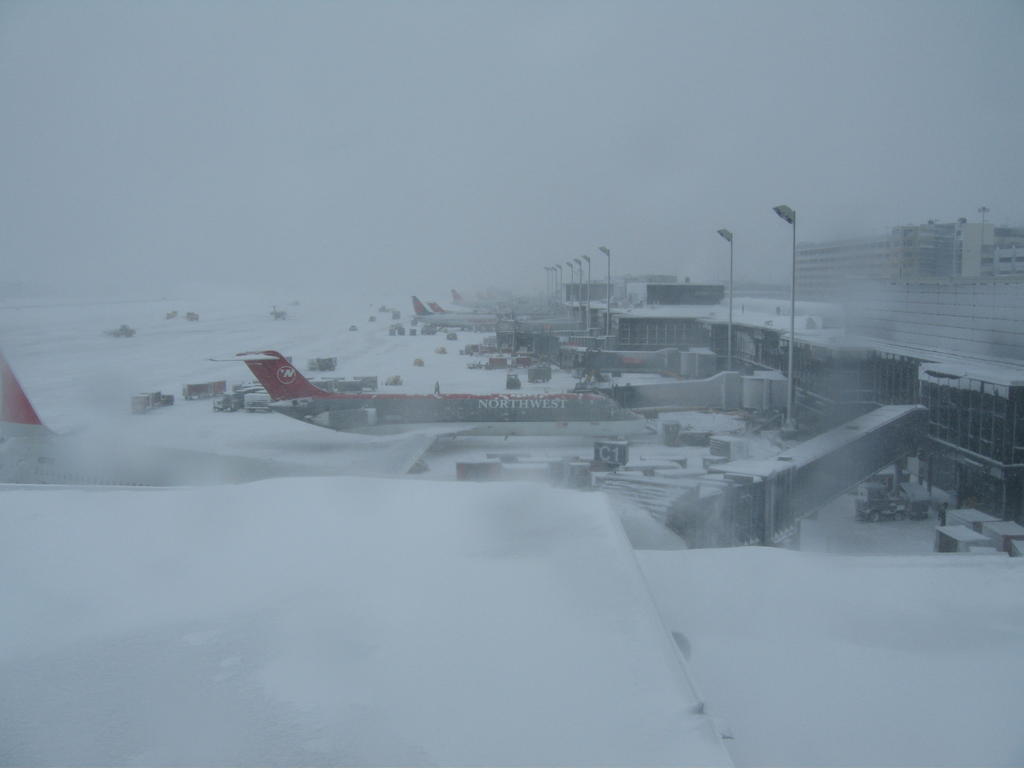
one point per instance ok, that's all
(478, 470)
(203, 390)
(147, 401)
(538, 374)
(257, 402)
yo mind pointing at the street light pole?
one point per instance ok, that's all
(579, 286)
(608, 315)
(587, 259)
(728, 236)
(572, 279)
(788, 215)
(561, 285)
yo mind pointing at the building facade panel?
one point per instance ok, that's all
(976, 318)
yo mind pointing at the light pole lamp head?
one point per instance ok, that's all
(605, 251)
(785, 213)
(585, 258)
(725, 233)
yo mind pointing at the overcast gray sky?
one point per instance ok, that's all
(465, 144)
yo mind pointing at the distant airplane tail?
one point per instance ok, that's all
(16, 412)
(278, 376)
(435, 307)
(457, 297)
(419, 309)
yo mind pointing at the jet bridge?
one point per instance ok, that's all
(766, 498)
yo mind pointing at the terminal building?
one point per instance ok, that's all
(639, 290)
(953, 345)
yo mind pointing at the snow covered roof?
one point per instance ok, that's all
(934, 356)
(1008, 375)
(335, 621)
(961, 533)
(755, 313)
(807, 451)
(1003, 528)
(969, 515)
(811, 319)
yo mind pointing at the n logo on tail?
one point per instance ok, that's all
(279, 377)
(286, 374)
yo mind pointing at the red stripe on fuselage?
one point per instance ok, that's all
(389, 396)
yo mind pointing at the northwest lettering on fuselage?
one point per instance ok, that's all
(508, 402)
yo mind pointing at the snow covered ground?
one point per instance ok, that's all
(835, 529)
(360, 620)
(827, 660)
(81, 380)
(77, 375)
(335, 621)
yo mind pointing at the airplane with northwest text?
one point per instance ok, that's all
(460, 414)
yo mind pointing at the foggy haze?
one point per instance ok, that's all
(320, 145)
(757, 567)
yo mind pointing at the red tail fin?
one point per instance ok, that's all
(435, 307)
(279, 377)
(457, 297)
(15, 407)
(418, 307)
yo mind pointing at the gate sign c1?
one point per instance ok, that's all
(614, 452)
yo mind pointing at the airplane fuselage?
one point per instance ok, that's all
(497, 414)
(459, 320)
